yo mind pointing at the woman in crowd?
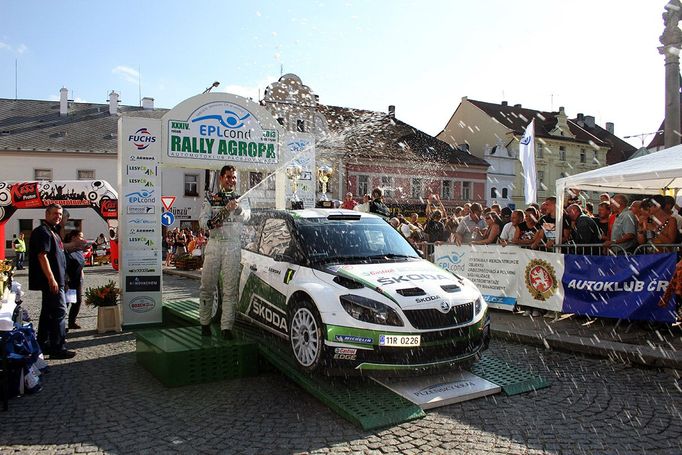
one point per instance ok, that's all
(492, 231)
(655, 225)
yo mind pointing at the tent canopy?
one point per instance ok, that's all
(648, 174)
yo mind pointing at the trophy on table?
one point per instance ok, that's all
(324, 173)
(294, 172)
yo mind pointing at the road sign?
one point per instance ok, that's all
(167, 218)
(167, 202)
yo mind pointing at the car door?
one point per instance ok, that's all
(264, 294)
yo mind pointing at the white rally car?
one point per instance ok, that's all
(347, 291)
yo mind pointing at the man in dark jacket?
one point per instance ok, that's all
(584, 230)
(47, 274)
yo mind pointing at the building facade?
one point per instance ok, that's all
(563, 146)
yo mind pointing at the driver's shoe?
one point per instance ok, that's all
(206, 331)
(227, 334)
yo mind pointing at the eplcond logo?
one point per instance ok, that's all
(142, 138)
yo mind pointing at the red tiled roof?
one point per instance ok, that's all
(517, 119)
(376, 135)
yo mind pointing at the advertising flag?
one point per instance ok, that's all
(527, 158)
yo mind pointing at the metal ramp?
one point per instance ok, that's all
(369, 404)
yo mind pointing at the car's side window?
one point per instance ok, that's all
(276, 237)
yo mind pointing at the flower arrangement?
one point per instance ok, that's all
(106, 295)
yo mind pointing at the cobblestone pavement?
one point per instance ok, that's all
(103, 402)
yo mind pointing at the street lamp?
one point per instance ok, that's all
(211, 87)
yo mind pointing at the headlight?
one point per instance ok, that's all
(480, 305)
(368, 310)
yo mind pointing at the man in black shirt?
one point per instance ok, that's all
(47, 274)
(584, 230)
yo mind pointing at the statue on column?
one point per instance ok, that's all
(672, 35)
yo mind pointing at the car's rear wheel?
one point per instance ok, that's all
(305, 335)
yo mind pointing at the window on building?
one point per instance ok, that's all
(595, 157)
(505, 193)
(280, 120)
(191, 185)
(255, 178)
(583, 155)
(447, 190)
(539, 150)
(562, 153)
(300, 126)
(387, 186)
(416, 188)
(466, 191)
(363, 185)
(541, 180)
(493, 193)
(42, 174)
(25, 224)
(85, 174)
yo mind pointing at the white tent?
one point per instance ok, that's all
(650, 174)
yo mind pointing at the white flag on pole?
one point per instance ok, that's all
(527, 158)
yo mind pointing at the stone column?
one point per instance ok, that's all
(672, 43)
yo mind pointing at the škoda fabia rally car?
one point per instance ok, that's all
(348, 292)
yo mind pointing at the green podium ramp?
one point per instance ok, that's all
(513, 380)
(181, 356)
(360, 401)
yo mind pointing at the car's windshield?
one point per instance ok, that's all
(366, 239)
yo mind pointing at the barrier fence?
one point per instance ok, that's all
(612, 283)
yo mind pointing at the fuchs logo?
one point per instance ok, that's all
(540, 279)
(268, 314)
(141, 197)
(142, 138)
(142, 304)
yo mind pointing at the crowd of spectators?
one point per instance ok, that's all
(619, 226)
(178, 241)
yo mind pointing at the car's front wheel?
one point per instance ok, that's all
(305, 335)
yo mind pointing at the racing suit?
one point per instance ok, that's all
(223, 253)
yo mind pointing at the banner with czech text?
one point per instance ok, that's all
(618, 286)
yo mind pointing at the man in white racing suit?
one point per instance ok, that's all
(223, 216)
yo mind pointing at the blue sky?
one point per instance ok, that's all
(598, 57)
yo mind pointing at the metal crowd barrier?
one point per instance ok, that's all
(596, 249)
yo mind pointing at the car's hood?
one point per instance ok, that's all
(402, 282)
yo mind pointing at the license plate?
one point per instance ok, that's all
(405, 341)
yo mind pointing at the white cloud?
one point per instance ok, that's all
(18, 50)
(250, 91)
(128, 74)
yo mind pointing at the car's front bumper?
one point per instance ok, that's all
(359, 349)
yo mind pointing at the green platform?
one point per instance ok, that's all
(513, 380)
(181, 356)
(181, 313)
(361, 401)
